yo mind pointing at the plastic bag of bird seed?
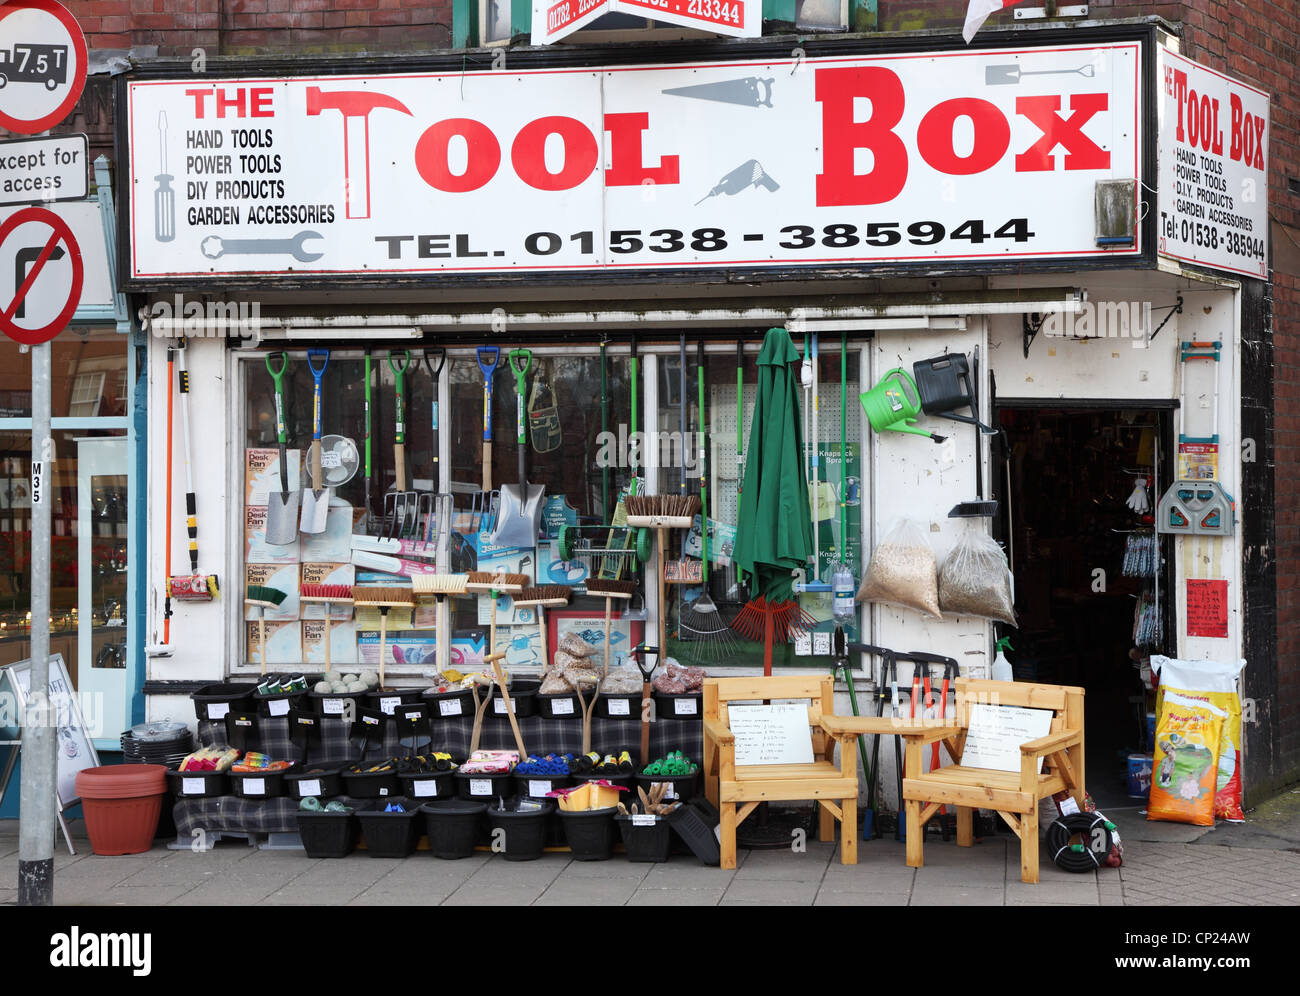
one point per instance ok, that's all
(903, 571)
(621, 681)
(1185, 769)
(975, 580)
(575, 646)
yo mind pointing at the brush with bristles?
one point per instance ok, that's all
(263, 597)
(384, 597)
(662, 510)
(440, 586)
(328, 595)
(609, 590)
(541, 598)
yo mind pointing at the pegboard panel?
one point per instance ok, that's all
(723, 483)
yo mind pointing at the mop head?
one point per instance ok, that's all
(439, 584)
(194, 588)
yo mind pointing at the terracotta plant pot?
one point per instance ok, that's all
(122, 803)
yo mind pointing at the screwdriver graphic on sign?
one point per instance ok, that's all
(164, 198)
(747, 174)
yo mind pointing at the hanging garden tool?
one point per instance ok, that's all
(430, 514)
(701, 621)
(369, 467)
(282, 505)
(263, 597)
(519, 517)
(167, 550)
(196, 587)
(401, 507)
(894, 405)
(772, 541)
(539, 598)
(383, 597)
(979, 508)
(316, 499)
(943, 384)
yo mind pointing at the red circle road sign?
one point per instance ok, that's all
(30, 65)
(60, 232)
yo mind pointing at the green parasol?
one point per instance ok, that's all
(774, 535)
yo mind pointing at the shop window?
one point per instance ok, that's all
(578, 448)
(89, 371)
(822, 15)
(87, 390)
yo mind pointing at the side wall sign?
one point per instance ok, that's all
(955, 155)
(1213, 172)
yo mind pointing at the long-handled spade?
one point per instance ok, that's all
(428, 503)
(401, 506)
(316, 499)
(282, 506)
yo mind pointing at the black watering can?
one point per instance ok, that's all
(944, 384)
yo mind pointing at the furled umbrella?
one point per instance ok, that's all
(774, 534)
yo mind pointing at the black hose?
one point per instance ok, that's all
(1099, 838)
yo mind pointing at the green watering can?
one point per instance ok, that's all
(894, 404)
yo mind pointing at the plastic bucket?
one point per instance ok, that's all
(122, 803)
(328, 835)
(646, 838)
(560, 705)
(377, 785)
(590, 834)
(1139, 775)
(212, 702)
(481, 787)
(257, 784)
(429, 785)
(391, 835)
(680, 787)
(536, 786)
(688, 705)
(454, 827)
(449, 705)
(523, 696)
(523, 835)
(314, 783)
(386, 700)
(198, 784)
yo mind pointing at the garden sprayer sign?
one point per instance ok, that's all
(1213, 174)
(992, 154)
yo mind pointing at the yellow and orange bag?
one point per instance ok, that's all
(1185, 771)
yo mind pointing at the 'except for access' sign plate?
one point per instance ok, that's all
(43, 169)
(42, 65)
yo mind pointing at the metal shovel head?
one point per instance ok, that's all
(519, 517)
(1001, 75)
(282, 518)
(315, 510)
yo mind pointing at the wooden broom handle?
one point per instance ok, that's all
(510, 708)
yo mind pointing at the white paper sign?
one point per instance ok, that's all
(771, 734)
(278, 707)
(309, 787)
(254, 786)
(562, 707)
(449, 707)
(685, 707)
(669, 791)
(644, 820)
(996, 732)
(618, 707)
(1213, 168)
(389, 705)
(425, 787)
(332, 707)
(538, 788)
(480, 786)
(218, 710)
(192, 786)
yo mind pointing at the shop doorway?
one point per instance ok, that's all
(1091, 590)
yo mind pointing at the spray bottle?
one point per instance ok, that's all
(1001, 666)
(842, 594)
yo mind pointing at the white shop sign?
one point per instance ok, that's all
(941, 156)
(1213, 168)
(556, 19)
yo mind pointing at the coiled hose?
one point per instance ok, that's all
(1098, 833)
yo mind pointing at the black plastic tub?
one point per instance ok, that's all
(645, 837)
(313, 782)
(689, 705)
(449, 705)
(386, 700)
(212, 702)
(257, 784)
(198, 784)
(429, 785)
(340, 705)
(536, 786)
(682, 787)
(479, 787)
(279, 705)
(328, 835)
(590, 833)
(376, 785)
(523, 834)
(391, 835)
(619, 706)
(454, 826)
(560, 705)
(695, 823)
(523, 696)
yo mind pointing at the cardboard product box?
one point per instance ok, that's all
(413, 646)
(262, 473)
(281, 576)
(335, 543)
(256, 549)
(283, 644)
(343, 644)
(327, 574)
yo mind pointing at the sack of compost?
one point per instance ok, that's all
(903, 571)
(975, 580)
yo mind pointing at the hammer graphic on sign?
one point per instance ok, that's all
(355, 106)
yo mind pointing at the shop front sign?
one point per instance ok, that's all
(556, 19)
(947, 156)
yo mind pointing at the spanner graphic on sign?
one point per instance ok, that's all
(214, 247)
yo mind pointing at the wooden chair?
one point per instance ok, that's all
(1013, 795)
(736, 790)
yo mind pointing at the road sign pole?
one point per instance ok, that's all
(40, 762)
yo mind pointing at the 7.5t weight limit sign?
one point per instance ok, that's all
(42, 65)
